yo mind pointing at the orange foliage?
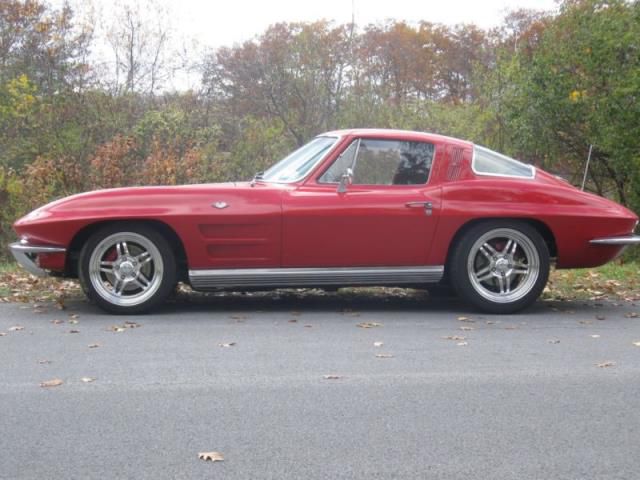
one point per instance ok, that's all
(114, 165)
(46, 179)
(165, 166)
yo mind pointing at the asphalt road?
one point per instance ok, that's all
(522, 399)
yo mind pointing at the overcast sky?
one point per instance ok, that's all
(218, 23)
(200, 25)
(215, 23)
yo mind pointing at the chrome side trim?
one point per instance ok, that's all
(312, 277)
(630, 239)
(22, 251)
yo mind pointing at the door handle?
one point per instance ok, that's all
(428, 206)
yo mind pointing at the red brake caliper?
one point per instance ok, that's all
(111, 255)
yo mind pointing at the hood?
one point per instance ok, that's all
(131, 202)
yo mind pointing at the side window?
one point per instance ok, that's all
(339, 167)
(393, 162)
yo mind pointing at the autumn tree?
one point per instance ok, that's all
(294, 72)
(44, 44)
(580, 87)
(139, 38)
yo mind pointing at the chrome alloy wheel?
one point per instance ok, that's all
(503, 265)
(126, 269)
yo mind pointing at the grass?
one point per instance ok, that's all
(16, 285)
(616, 281)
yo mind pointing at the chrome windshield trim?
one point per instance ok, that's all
(305, 277)
(623, 240)
(312, 169)
(22, 251)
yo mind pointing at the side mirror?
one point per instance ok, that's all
(345, 181)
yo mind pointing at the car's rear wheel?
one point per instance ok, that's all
(500, 266)
(127, 269)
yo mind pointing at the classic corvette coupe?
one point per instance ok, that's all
(350, 208)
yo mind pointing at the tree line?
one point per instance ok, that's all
(542, 87)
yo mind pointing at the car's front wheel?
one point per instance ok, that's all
(127, 269)
(500, 266)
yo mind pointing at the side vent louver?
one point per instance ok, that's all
(455, 163)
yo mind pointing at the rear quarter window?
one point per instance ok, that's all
(488, 162)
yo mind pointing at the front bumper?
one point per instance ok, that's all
(25, 254)
(622, 241)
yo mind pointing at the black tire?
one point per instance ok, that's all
(498, 283)
(142, 270)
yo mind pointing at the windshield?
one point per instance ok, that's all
(297, 164)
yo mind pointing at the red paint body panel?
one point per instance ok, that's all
(363, 227)
(245, 234)
(574, 217)
(52, 261)
(308, 224)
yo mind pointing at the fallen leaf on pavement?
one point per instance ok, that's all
(331, 377)
(606, 364)
(308, 326)
(122, 328)
(462, 344)
(51, 383)
(74, 316)
(211, 456)
(3, 334)
(553, 340)
(16, 328)
(87, 379)
(293, 320)
(465, 319)
(93, 345)
(44, 362)
(368, 325)
(466, 329)
(384, 355)
(631, 315)
(227, 345)
(600, 317)
(595, 336)
(585, 322)
(74, 331)
(637, 344)
(73, 322)
(378, 344)
(454, 337)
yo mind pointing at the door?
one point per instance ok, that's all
(386, 217)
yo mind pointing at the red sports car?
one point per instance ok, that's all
(351, 207)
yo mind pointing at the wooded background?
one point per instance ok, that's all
(541, 87)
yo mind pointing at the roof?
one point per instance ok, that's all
(391, 133)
